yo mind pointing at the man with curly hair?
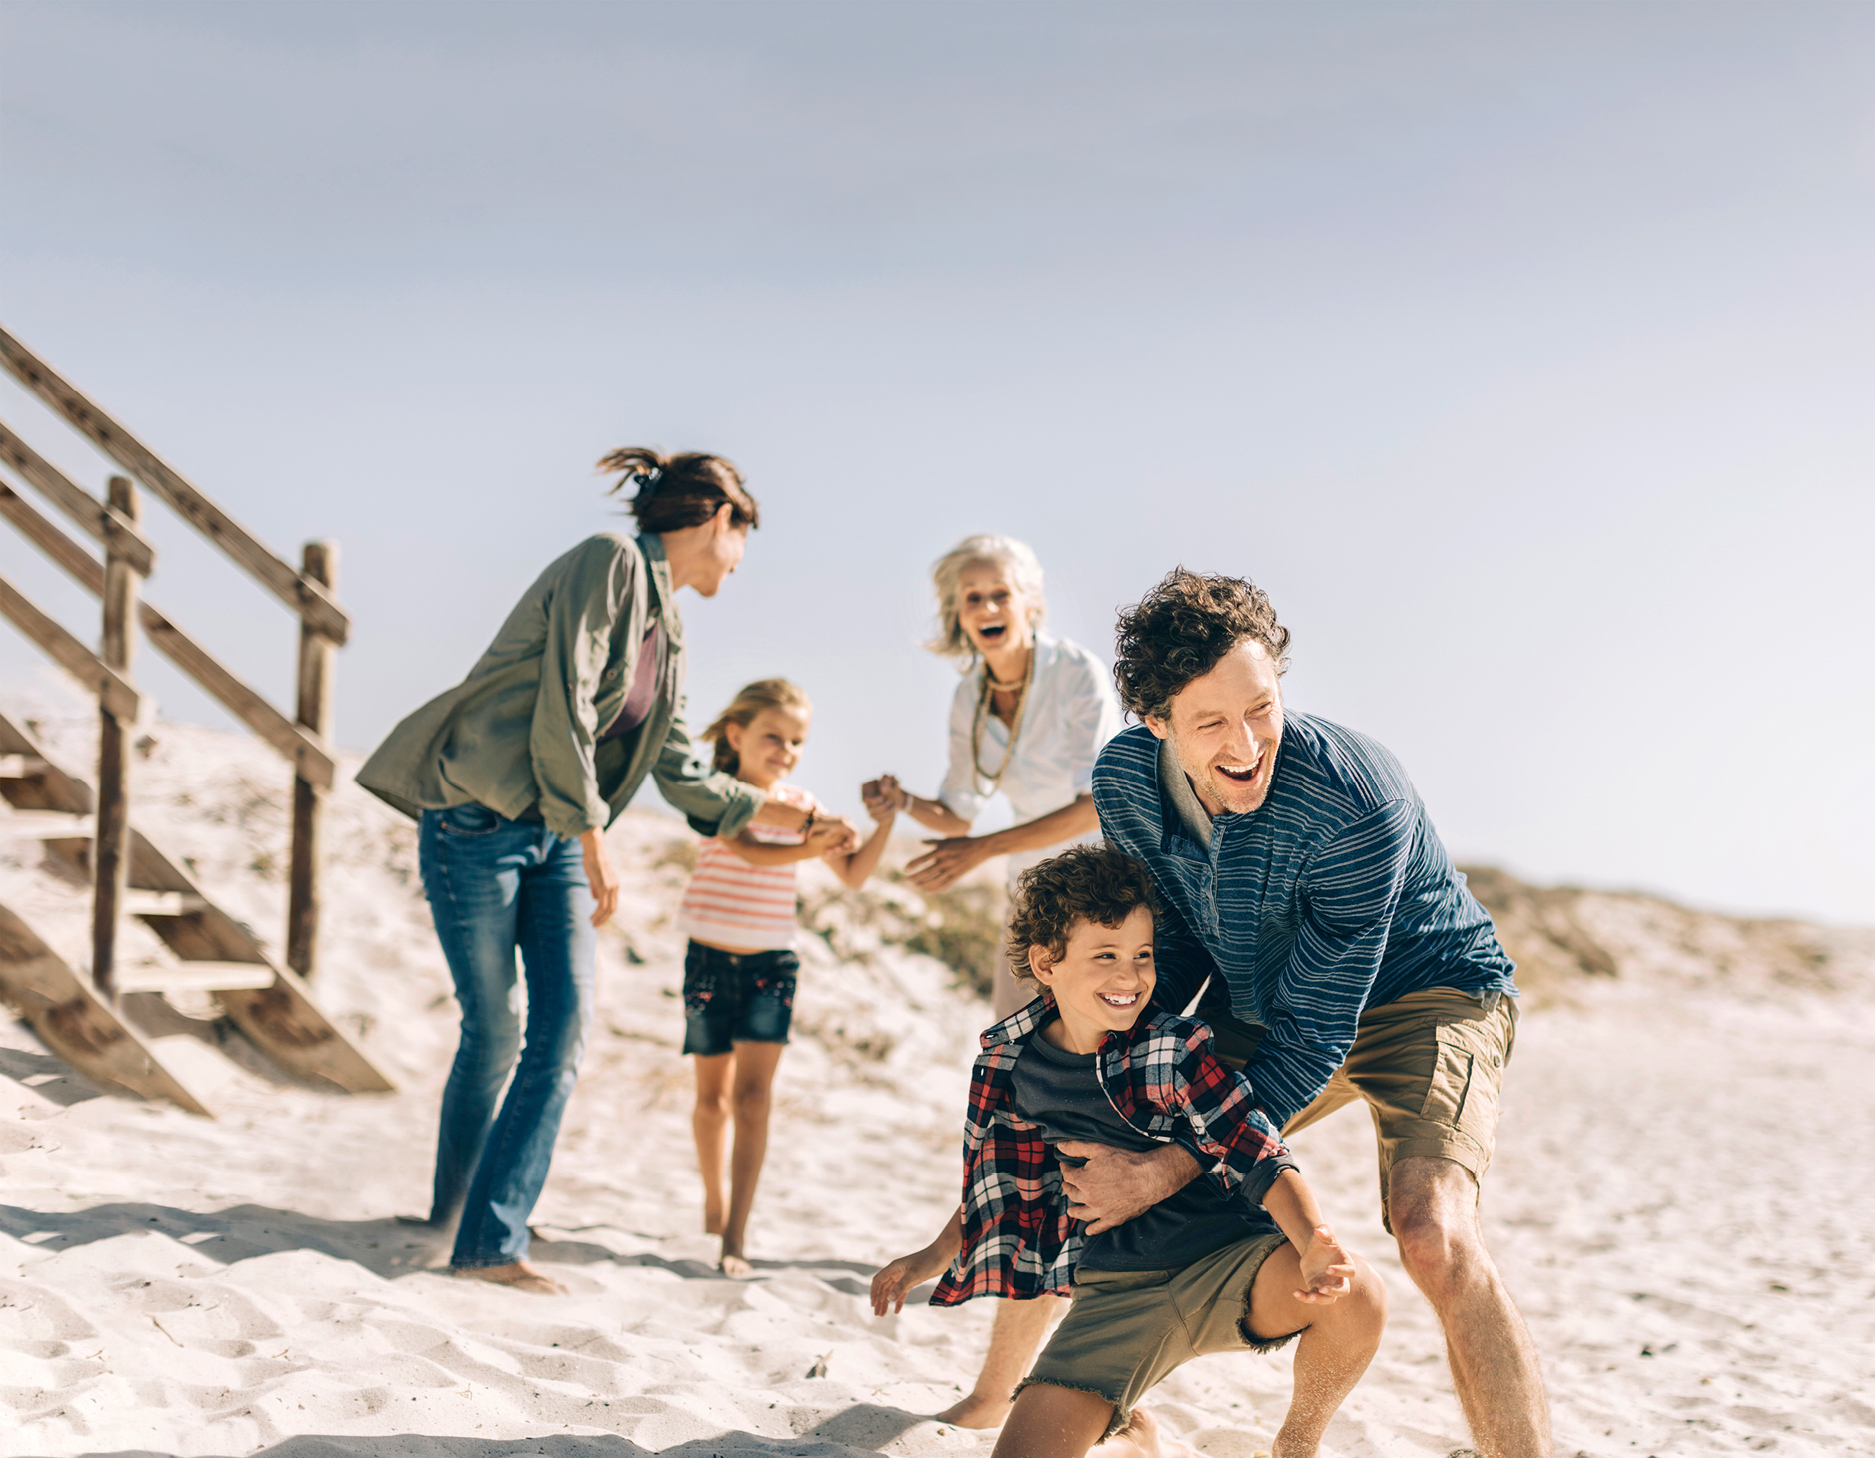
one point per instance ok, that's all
(1339, 954)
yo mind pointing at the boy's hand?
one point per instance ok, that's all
(1327, 1269)
(895, 1282)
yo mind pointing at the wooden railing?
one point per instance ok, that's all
(115, 524)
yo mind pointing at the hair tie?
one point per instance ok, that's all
(646, 481)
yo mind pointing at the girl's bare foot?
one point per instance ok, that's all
(735, 1265)
(1147, 1440)
(519, 1275)
(713, 1215)
(976, 1411)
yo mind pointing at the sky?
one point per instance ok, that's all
(1524, 352)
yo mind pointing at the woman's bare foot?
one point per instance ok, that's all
(519, 1275)
(713, 1215)
(1147, 1440)
(976, 1411)
(735, 1265)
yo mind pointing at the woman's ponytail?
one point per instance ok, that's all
(684, 490)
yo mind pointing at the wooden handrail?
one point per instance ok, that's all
(295, 589)
(112, 692)
(310, 759)
(95, 516)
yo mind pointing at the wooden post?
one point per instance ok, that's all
(110, 847)
(317, 653)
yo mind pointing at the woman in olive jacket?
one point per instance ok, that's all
(513, 776)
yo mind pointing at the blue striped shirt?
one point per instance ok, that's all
(1333, 895)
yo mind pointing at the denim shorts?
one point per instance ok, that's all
(732, 998)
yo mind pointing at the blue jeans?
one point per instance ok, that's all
(499, 886)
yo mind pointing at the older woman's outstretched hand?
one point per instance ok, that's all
(947, 861)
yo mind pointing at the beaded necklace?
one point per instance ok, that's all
(1015, 728)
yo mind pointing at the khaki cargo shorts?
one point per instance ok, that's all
(1429, 1066)
(1128, 1329)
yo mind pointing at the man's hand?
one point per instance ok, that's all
(1116, 1184)
(1327, 1269)
(946, 861)
(600, 875)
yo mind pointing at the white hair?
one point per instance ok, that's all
(1016, 558)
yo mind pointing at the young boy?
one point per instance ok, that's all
(1239, 1260)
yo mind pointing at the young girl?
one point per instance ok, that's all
(739, 970)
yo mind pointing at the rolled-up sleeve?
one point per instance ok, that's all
(581, 616)
(713, 801)
(959, 792)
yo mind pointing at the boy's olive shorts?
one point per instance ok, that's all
(1128, 1329)
(1429, 1066)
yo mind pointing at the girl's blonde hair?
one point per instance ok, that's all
(750, 700)
(1025, 575)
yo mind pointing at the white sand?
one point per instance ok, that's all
(1682, 1202)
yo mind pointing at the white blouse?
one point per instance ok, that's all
(1072, 712)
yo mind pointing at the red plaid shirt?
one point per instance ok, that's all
(1161, 1077)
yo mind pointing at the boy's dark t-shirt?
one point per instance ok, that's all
(1060, 1093)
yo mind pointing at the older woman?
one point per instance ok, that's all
(1029, 719)
(513, 776)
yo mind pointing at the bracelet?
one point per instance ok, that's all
(807, 825)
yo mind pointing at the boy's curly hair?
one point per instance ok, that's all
(1084, 883)
(1180, 630)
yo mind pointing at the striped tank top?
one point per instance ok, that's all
(734, 904)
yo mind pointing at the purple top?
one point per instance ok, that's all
(644, 690)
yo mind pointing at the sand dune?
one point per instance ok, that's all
(1682, 1202)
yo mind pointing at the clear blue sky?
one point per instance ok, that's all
(1524, 352)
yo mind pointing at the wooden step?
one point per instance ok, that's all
(138, 902)
(21, 766)
(43, 824)
(195, 977)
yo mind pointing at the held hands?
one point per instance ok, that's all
(833, 835)
(1327, 1269)
(947, 861)
(895, 1282)
(884, 797)
(600, 875)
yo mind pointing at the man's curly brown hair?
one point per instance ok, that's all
(1084, 883)
(1180, 630)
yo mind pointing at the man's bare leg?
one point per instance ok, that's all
(1433, 1204)
(1337, 1343)
(1060, 1422)
(1015, 1338)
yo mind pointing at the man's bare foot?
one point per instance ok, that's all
(976, 1411)
(519, 1275)
(735, 1265)
(1147, 1440)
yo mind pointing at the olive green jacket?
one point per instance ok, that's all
(522, 730)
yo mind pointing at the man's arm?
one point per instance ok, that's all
(1115, 1185)
(1341, 935)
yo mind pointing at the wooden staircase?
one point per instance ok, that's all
(90, 1021)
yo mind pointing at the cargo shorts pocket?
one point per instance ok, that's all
(1453, 1069)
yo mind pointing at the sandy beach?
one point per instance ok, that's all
(1683, 1201)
